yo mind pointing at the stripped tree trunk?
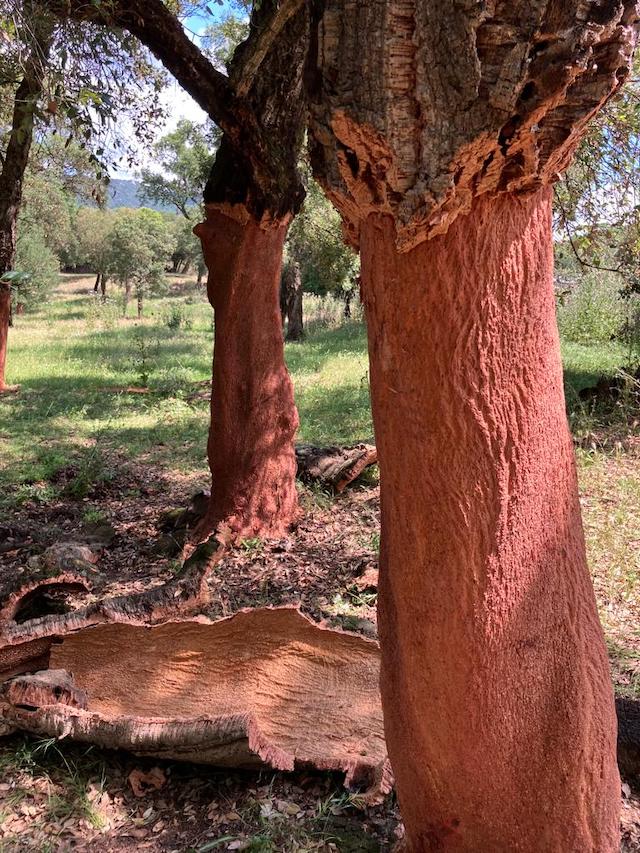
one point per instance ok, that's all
(436, 130)
(261, 109)
(16, 158)
(489, 540)
(253, 415)
(253, 192)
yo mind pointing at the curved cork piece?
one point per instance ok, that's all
(264, 686)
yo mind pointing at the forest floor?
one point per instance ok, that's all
(109, 429)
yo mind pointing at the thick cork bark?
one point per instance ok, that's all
(253, 414)
(496, 691)
(265, 687)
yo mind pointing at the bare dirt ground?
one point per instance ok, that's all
(58, 796)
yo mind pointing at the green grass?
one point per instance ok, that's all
(75, 359)
(73, 355)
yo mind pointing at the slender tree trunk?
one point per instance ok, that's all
(103, 287)
(15, 161)
(97, 284)
(140, 300)
(292, 292)
(347, 305)
(5, 315)
(498, 643)
(253, 415)
(126, 298)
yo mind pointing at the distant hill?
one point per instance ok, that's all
(123, 192)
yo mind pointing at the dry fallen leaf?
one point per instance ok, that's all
(142, 782)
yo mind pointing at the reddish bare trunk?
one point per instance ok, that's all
(496, 691)
(5, 314)
(253, 415)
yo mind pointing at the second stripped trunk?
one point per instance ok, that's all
(253, 415)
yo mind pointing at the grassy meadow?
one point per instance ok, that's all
(82, 368)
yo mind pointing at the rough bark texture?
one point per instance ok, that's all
(436, 129)
(291, 301)
(335, 467)
(262, 687)
(421, 105)
(495, 679)
(253, 415)
(16, 157)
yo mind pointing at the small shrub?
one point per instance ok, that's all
(89, 472)
(93, 516)
(145, 355)
(34, 492)
(593, 312)
(40, 266)
(176, 318)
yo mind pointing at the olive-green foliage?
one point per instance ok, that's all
(185, 155)
(41, 265)
(92, 227)
(187, 247)
(220, 40)
(315, 241)
(139, 244)
(593, 311)
(48, 207)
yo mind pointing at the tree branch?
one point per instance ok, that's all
(244, 74)
(157, 28)
(574, 248)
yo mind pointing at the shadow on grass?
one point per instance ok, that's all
(323, 344)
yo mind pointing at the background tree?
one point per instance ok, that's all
(139, 246)
(495, 680)
(291, 300)
(220, 39)
(37, 42)
(315, 242)
(185, 157)
(50, 69)
(39, 266)
(92, 250)
(188, 249)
